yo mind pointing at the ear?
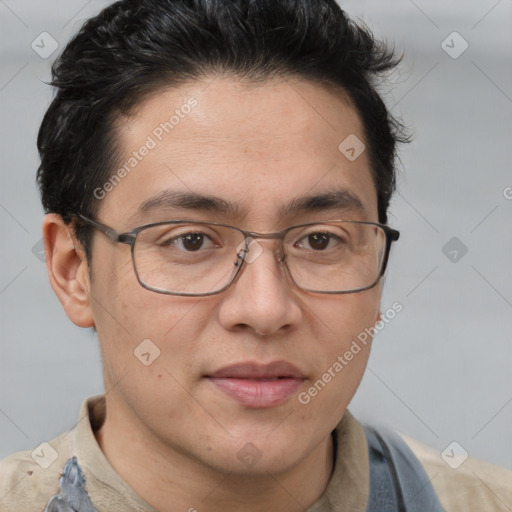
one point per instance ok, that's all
(67, 269)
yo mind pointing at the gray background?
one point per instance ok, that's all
(441, 370)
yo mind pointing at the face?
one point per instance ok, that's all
(259, 147)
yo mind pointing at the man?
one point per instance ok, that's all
(217, 176)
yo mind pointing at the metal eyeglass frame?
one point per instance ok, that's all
(129, 238)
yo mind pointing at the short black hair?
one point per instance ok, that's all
(133, 48)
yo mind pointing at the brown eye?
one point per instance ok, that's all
(188, 242)
(319, 241)
(192, 241)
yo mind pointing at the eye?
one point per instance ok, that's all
(189, 242)
(320, 241)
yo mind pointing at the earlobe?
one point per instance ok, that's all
(68, 270)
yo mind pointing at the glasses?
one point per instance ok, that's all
(191, 258)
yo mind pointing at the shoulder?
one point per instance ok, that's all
(464, 483)
(29, 478)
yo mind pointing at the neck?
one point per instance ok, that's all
(170, 480)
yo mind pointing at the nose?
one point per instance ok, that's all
(261, 299)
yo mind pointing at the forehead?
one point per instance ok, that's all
(257, 147)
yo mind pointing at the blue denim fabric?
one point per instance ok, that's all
(72, 496)
(398, 482)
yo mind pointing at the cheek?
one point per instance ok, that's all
(173, 325)
(341, 352)
(355, 315)
(151, 353)
(342, 318)
(131, 320)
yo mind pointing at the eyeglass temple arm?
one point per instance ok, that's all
(393, 234)
(126, 238)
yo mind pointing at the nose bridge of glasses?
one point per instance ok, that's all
(252, 246)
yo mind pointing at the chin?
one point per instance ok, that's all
(255, 454)
(250, 461)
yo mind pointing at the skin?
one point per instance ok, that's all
(169, 433)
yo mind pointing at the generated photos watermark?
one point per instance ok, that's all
(151, 142)
(343, 360)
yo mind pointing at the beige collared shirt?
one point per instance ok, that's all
(28, 481)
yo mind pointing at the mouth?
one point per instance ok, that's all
(256, 385)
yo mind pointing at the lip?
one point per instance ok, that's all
(257, 385)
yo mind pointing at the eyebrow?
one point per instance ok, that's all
(340, 199)
(171, 199)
